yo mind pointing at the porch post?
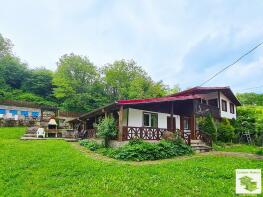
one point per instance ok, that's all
(193, 132)
(171, 116)
(41, 119)
(120, 123)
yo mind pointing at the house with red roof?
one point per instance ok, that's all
(149, 118)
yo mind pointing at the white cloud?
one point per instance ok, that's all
(181, 42)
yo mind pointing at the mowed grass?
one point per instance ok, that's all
(56, 168)
(238, 148)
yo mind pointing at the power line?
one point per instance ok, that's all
(261, 86)
(237, 60)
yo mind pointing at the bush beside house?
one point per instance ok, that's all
(107, 129)
(139, 150)
(207, 125)
(232, 130)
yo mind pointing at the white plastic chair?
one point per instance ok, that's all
(40, 132)
(16, 117)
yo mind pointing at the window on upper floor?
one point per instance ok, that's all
(232, 108)
(224, 105)
(213, 102)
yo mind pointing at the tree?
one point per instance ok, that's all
(77, 83)
(5, 46)
(251, 99)
(126, 80)
(176, 88)
(39, 81)
(13, 72)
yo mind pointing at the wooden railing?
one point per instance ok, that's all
(69, 114)
(91, 133)
(204, 109)
(205, 137)
(186, 137)
(146, 133)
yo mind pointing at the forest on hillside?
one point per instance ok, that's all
(76, 84)
(79, 85)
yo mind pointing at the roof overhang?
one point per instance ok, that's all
(204, 90)
(157, 100)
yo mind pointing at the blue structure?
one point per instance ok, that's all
(13, 112)
(35, 114)
(24, 113)
(2, 111)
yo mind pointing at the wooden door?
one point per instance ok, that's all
(187, 126)
(169, 128)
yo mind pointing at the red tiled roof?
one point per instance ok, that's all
(160, 99)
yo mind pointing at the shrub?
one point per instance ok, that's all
(225, 131)
(207, 125)
(260, 152)
(140, 150)
(91, 145)
(107, 129)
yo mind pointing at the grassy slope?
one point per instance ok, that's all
(54, 168)
(238, 148)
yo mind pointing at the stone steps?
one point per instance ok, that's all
(30, 135)
(32, 138)
(200, 146)
(71, 139)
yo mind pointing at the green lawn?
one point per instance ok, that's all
(238, 148)
(56, 168)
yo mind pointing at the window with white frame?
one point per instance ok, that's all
(232, 108)
(224, 105)
(186, 124)
(150, 119)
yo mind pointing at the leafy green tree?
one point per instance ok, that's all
(126, 80)
(77, 84)
(13, 72)
(5, 46)
(75, 74)
(250, 119)
(176, 88)
(39, 82)
(17, 94)
(251, 99)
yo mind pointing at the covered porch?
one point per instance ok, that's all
(148, 119)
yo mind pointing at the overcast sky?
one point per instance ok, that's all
(179, 42)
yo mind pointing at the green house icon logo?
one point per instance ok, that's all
(248, 181)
